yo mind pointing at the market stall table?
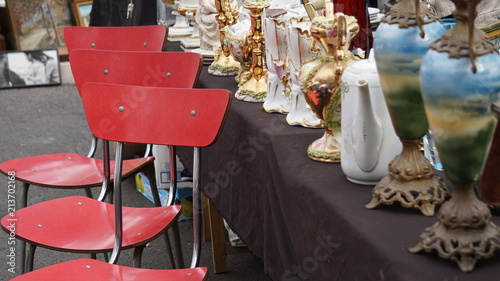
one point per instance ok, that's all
(303, 218)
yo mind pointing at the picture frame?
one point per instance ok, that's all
(81, 11)
(38, 24)
(29, 68)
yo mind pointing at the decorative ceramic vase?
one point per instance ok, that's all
(369, 142)
(403, 37)
(275, 33)
(302, 47)
(224, 63)
(460, 80)
(321, 81)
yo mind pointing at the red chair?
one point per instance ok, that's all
(193, 118)
(70, 170)
(123, 38)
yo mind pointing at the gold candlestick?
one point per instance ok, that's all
(224, 63)
(253, 79)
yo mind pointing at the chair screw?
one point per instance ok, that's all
(106, 72)
(193, 112)
(92, 45)
(121, 108)
(169, 74)
(40, 225)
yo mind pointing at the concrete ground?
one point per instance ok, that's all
(42, 120)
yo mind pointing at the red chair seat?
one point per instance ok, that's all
(66, 170)
(83, 224)
(89, 269)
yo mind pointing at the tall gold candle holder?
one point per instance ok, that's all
(253, 79)
(321, 79)
(224, 63)
(403, 37)
(460, 79)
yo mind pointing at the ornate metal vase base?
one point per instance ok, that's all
(464, 232)
(410, 182)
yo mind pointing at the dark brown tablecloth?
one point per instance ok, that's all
(303, 218)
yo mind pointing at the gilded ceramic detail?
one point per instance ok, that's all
(321, 80)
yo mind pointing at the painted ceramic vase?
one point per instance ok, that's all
(460, 80)
(459, 112)
(403, 37)
(399, 52)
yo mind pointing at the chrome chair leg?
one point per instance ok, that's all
(30, 257)
(177, 245)
(150, 173)
(22, 244)
(137, 262)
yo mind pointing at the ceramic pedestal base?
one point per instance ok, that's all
(326, 148)
(224, 65)
(253, 90)
(190, 43)
(464, 232)
(410, 182)
(276, 99)
(176, 34)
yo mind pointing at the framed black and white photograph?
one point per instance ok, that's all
(29, 68)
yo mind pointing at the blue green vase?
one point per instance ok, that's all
(460, 80)
(403, 37)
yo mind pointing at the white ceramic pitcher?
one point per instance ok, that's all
(369, 141)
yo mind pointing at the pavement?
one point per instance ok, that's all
(43, 120)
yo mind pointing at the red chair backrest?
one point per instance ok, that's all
(124, 38)
(163, 116)
(154, 69)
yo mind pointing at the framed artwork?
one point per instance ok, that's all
(81, 11)
(29, 68)
(39, 24)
